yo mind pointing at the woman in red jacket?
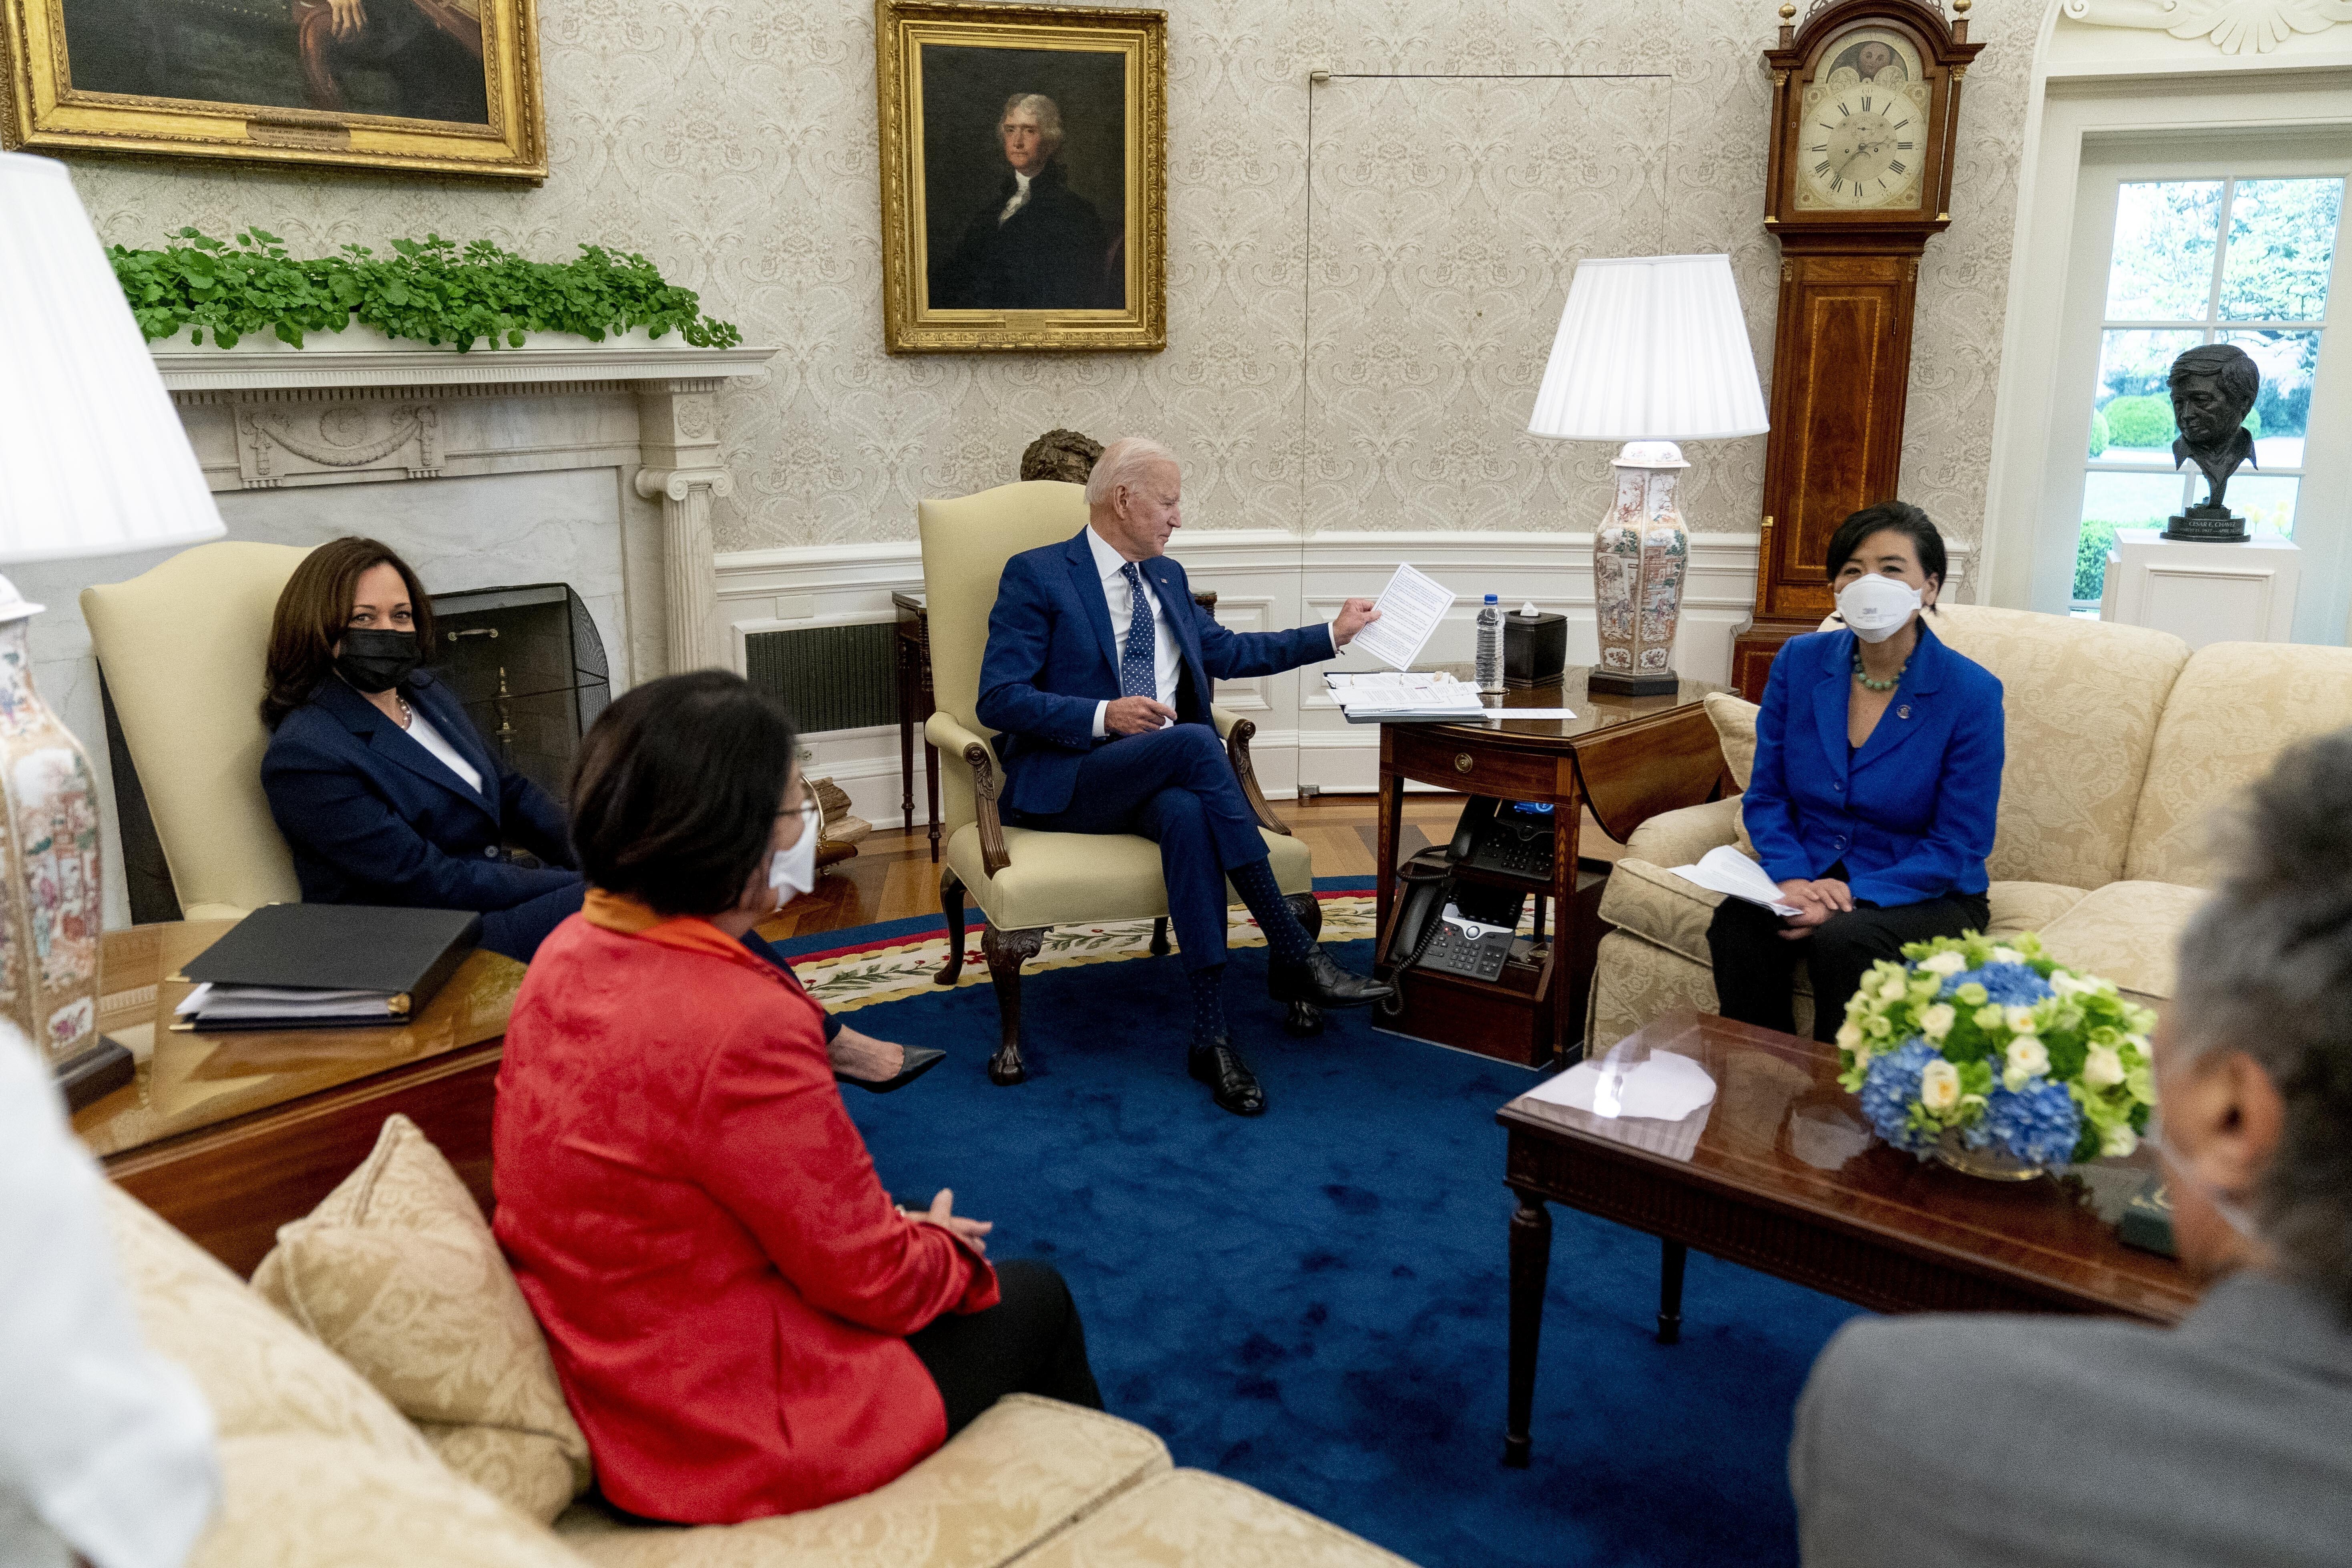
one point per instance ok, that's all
(742, 1321)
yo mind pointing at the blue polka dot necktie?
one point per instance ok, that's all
(1139, 664)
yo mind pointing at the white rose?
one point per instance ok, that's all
(1893, 990)
(2020, 1020)
(2104, 1067)
(1849, 1035)
(1945, 964)
(1936, 1022)
(2117, 1142)
(2005, 956)
(2028, 1056)
(1939, 1086)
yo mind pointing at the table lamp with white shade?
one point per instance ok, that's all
(93, 461)
(1652, 351)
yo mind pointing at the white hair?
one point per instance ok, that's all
(1122, 463)
(1048, 113)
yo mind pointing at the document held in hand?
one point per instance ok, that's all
(1410, 607)
(1724, 869)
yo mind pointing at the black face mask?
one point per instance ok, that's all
(374, 660)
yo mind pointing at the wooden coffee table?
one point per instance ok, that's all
(1780, 1172)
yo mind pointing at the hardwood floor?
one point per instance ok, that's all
(893, 876)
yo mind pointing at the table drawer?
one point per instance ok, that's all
(1475, 769)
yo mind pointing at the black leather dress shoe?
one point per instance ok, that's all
(1316, 979)
(1229, 1078)
(914, 1062)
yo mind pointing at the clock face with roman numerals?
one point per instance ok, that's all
(1863, 139)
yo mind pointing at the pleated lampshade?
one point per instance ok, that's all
(1651, 348)
(93, 460)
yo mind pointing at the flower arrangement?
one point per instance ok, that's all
(1997, 1045)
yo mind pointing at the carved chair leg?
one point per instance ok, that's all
(1159, 937)
(1304, 1018)
(1007, 951)
(951, 906)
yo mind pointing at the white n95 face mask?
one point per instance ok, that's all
(792, 872)
(1876, 607)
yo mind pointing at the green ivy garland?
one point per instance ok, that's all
(428, 290)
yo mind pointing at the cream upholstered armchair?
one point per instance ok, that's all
(1025, 880)
(183, 648)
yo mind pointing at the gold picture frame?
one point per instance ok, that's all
(1008, 259)
(434, 86)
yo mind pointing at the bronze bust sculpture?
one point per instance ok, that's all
(2213, 389)
(1064, 455)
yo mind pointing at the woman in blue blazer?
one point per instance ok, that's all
(386, 794)
(1878, 758)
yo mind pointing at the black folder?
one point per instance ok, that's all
(405, 955)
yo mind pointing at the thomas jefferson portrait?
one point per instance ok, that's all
(1027, 208)
(418, 60)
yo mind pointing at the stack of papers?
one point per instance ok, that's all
(1724, 869)
(214, 1006)
(1388, 697)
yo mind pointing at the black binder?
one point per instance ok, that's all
(403, 956)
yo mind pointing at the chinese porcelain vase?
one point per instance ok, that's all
(1640, 554)
(49, 932)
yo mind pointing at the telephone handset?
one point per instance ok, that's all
(1512, 836)
(1439, 934)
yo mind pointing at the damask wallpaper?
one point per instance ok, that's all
(1359, 312)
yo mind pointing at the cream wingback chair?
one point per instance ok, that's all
(1028, 881)
(182, 649)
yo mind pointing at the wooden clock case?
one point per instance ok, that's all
(1841, 350)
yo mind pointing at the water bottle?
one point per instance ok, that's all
(1490, 645)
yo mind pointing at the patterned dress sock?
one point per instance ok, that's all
(1208, 1004)
(1284, 934)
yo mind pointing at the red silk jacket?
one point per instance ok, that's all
(725, 1286)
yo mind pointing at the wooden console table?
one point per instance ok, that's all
(228, 1136)
(1628, 758)
(916, 702)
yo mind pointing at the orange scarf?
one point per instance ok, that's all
(687, 934)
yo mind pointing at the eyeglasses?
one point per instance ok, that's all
(812, 816)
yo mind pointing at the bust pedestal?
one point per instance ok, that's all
(2203, 593)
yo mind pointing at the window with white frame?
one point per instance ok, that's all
(2232, 260)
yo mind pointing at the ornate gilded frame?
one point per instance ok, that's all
(901, 27)
(41, 110)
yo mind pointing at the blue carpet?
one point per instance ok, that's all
(1315, 1302)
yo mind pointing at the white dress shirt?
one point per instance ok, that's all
(105, 1448)
(422, 732)
(1169, 664)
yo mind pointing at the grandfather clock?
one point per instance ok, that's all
(1865, 102)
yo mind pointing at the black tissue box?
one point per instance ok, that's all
(1535, 650)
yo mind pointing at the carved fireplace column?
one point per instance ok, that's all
(687, 472)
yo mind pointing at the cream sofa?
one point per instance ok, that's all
(2121, 745)
(323, 1465)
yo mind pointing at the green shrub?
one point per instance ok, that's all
(2139, 421)
(428, 290)
(2098, 432)
(2098, 537)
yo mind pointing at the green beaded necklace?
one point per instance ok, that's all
(1871, 685)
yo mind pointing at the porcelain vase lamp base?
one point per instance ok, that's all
(1640, 554)
(51, 905)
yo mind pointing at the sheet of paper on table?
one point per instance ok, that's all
(1410, 607)
(1724, 869)
(1662, 1088)
(1409, 694)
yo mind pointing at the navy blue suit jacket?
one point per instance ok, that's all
(1911, 814)
(372, 817)
(1051, 657)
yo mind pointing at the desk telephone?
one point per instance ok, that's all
(1464, 928)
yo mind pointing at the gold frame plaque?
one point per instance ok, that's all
(1135, 268)
(42, 110)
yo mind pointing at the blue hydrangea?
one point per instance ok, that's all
(1888, 1089)
(2010, 984)
(2039, 1122)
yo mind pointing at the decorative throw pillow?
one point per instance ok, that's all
(1735, 732)
(396, 1272)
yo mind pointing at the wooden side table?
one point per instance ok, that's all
(228, 1136)
(1628, 758)
(916, 702)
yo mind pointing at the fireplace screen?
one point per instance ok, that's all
(529, 669)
